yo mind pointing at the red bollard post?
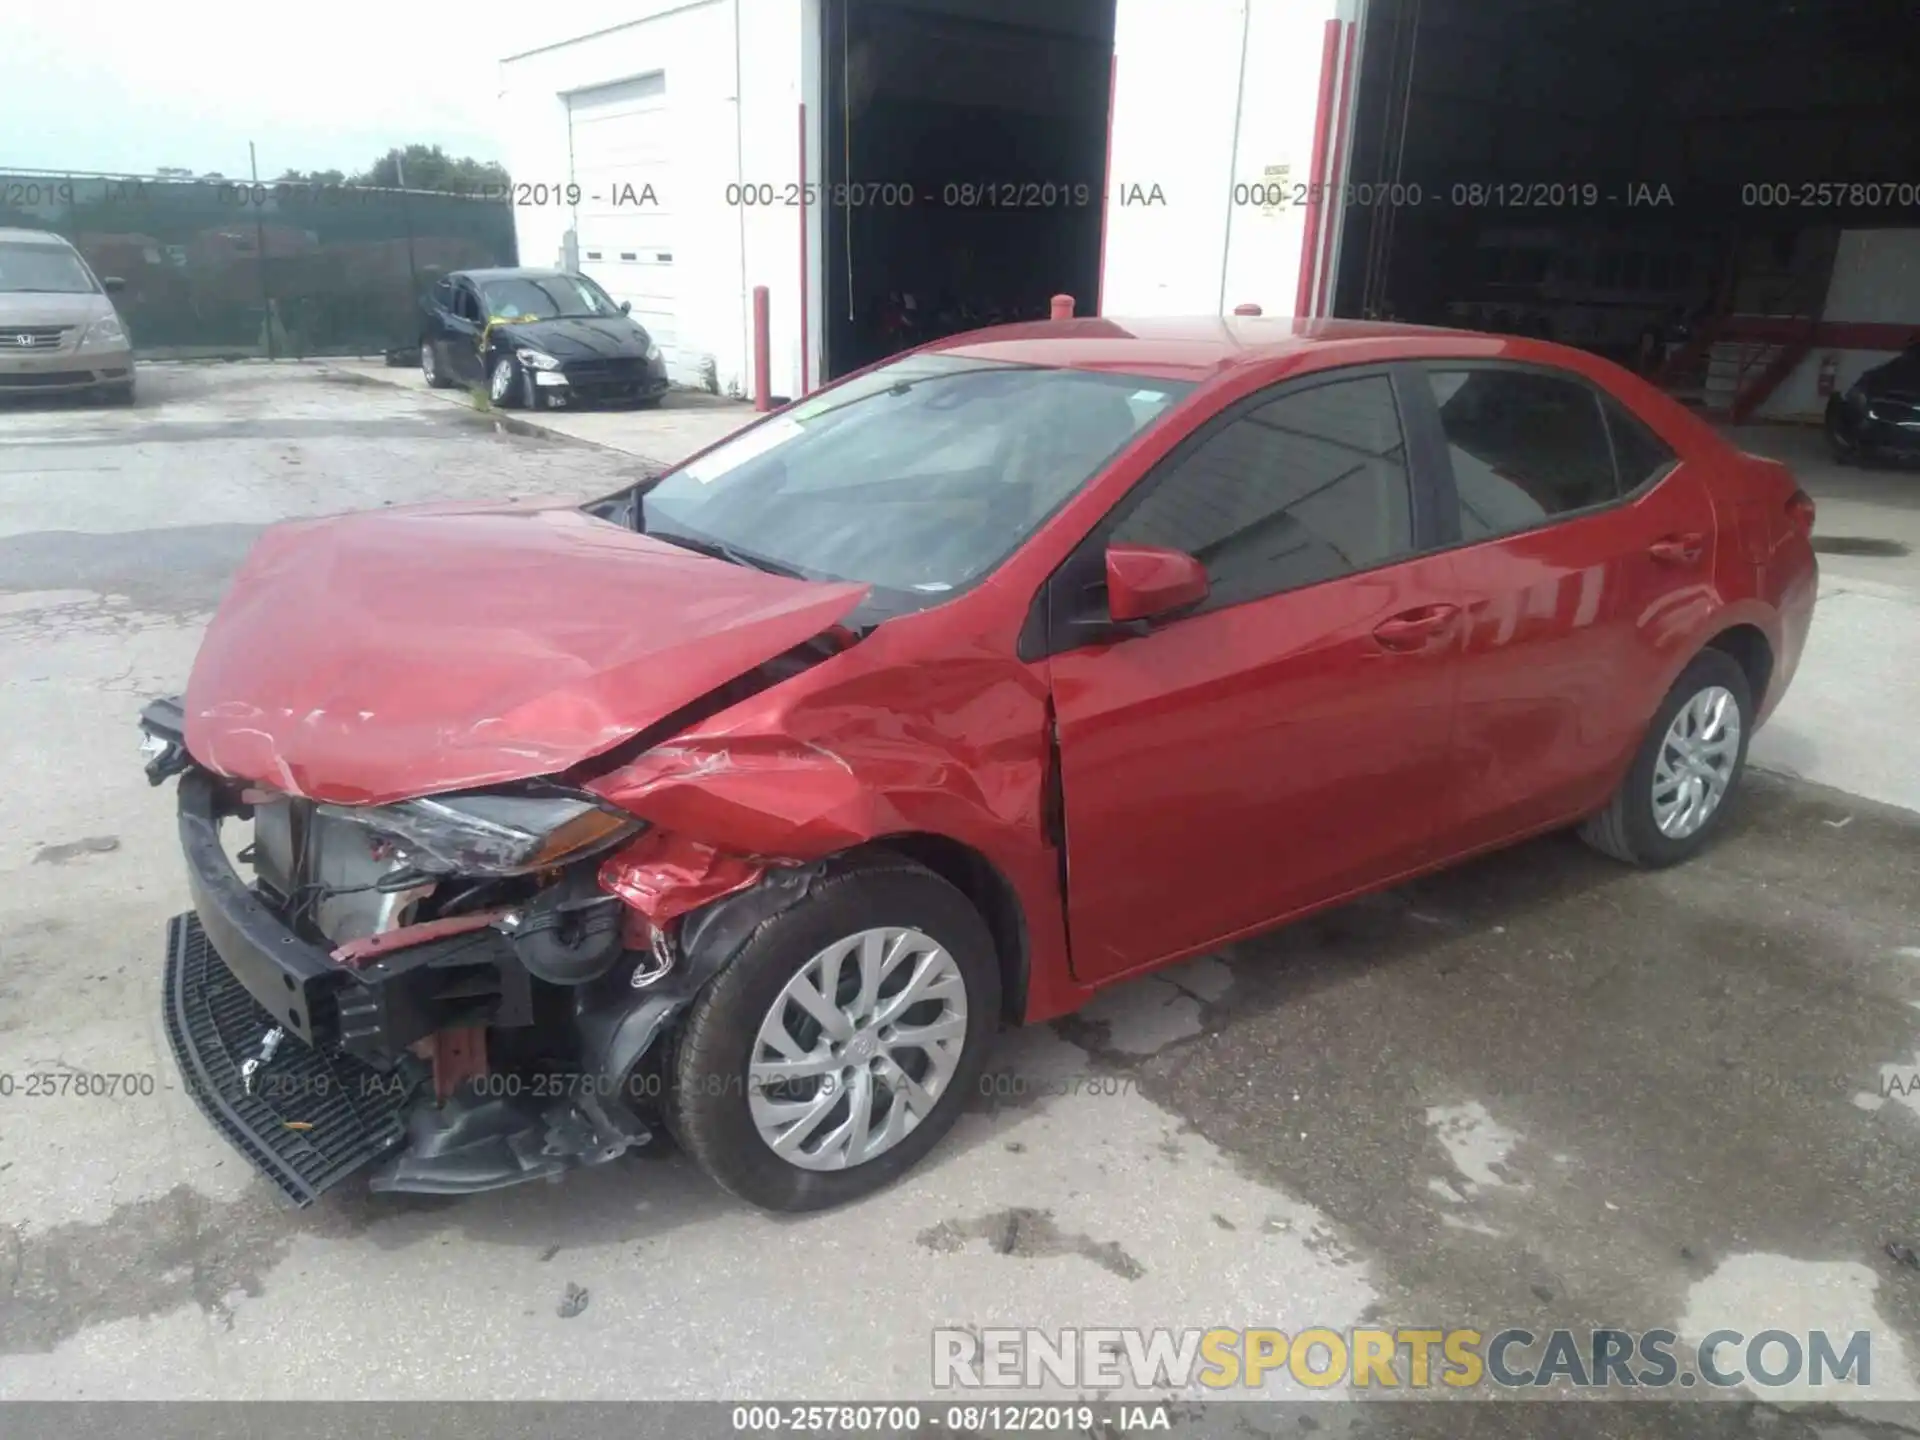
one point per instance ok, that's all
(1248, 309)
(762, 350)
(1062, 307)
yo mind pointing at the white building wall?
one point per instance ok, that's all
(1876, 281)
(712, 53)
(1208, 93)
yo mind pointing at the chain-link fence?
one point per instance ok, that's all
(275, 269)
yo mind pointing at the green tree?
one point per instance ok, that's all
(313, 177)
(428, 167)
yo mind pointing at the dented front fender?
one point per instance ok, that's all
(876, 742)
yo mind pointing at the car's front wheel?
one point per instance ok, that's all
(842, 1041)
(1676, 791)
(1842, 440)
(504, 390)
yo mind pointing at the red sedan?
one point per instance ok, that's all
(747, 803)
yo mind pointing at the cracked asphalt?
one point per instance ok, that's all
(1540, 1091)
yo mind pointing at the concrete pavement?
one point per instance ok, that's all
(683, 422)
(1541, 1090)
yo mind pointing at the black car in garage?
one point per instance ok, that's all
(1879, 414)
(536, 338)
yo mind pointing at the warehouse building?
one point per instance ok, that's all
(1725, 193)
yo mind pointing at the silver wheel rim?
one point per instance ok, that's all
(426, 359)
(857, 1049)
(1695, 764)
(502, 380)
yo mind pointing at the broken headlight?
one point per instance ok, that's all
(490, 834)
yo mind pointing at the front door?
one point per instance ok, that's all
(466, 322)
(1288, 742)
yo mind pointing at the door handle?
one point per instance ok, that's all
(1678, 549)
(1414, 629)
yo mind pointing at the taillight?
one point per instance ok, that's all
(1800, 513)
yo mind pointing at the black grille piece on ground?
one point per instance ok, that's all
(351, 1113)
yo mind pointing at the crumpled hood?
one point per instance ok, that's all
(576, 338)
(371, 657)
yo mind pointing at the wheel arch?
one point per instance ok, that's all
(1753, 652)
(990, 892)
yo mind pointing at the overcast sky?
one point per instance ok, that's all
(335, 84)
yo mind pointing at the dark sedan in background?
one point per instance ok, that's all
(1879, 414)
(536, 338)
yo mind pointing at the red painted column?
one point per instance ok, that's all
(1323, 297)
(762, 350)
(806, 360)
(1317, 168)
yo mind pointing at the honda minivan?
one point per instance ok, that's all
(59, 330)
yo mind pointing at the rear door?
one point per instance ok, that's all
(1582, 551)
(1286, 742)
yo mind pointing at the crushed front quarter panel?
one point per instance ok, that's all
(876, 742)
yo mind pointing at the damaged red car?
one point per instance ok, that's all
(744, 805)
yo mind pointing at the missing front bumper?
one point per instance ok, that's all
(313, 1119)
(321, 1118)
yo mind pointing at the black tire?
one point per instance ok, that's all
(1846, 449)
(435, 374)
(1626, 829)
(707, 1104)
(515, 393)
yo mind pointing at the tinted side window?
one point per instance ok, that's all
(466, 304)
(443, 294)
(1525, 447)
(1302, 489)
(1638, 453)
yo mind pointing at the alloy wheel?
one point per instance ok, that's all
(857, 1048)
(1696, 761)
(428, 364)
(501, 382)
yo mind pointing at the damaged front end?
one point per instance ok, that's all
(445, 991)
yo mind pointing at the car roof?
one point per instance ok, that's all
(513, 272)
(1203, 347)
(33, 237)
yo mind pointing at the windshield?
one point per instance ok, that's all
(53, 269)
(917, 478)
(545, 297)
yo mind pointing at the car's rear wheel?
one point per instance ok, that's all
(432, 369)
(841, 1042)
(1676, 791)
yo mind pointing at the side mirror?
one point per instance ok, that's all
(1145, 582)
(112, 284)
(626, 307)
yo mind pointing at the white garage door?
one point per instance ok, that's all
(622, 163)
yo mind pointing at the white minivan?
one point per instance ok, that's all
(58, 328)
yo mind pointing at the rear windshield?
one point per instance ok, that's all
(30, 268)
(918, 477)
